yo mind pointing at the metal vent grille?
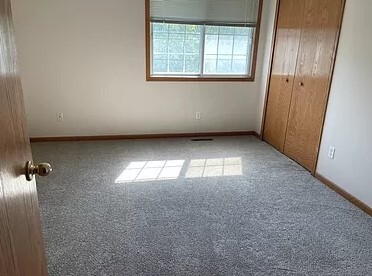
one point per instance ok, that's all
(201, 139)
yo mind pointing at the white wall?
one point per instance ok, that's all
(348, 125)
(86, 58)
(269, 14)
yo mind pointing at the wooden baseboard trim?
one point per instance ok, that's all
(361, 205)
(141, 136)
(258, 136)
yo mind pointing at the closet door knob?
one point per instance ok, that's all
(301, 83)
(286, 80)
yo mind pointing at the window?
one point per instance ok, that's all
(202, 39)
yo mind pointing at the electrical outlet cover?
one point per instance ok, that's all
(331, 152)
(59, 117)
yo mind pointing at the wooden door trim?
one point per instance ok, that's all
(270, 69)
(263, 121)
(361, 205)
(315, 166)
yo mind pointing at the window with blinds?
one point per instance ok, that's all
(207, 39)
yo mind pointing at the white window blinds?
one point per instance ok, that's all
(209, 12)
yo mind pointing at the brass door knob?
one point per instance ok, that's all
(42, 169)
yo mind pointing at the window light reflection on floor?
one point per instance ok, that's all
(151, 171)
(171, 169)
(214, 167)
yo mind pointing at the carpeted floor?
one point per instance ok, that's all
(231, 206)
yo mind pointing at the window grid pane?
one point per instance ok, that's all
(228, 50)
(176, 50)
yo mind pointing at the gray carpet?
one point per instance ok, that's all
(273, 219)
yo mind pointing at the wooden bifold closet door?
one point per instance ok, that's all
(303, 58)
(283, 70)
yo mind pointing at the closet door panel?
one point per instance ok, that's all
(283, 70)
(322, 20)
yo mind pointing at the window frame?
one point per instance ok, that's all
(213, 78)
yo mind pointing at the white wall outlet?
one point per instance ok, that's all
(59, 117)
(198, 115)
(331, 152)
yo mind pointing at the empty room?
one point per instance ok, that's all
(185, 137)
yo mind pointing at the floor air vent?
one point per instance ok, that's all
(201, 139)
